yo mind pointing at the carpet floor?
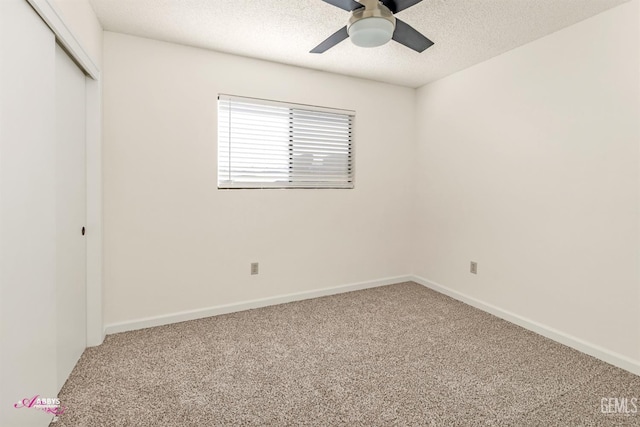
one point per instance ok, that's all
(394, 355)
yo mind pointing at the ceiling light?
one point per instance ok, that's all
(372, 25)
(371, 32)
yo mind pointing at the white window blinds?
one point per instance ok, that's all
(268, 144)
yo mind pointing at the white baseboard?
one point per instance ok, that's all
(182, 316)
(591, 349)
(596, 351)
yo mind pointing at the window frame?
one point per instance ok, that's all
(229, 184)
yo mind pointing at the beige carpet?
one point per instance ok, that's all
(395, 355)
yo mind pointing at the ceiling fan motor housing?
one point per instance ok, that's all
(371, 26)
(373, 23)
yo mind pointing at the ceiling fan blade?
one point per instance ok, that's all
(333, 40)
(396, 6)
(348, 5)
(410, 37)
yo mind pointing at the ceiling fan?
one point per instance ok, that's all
(372, 24)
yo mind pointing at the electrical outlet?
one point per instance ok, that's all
(254, 268)
(474, 267)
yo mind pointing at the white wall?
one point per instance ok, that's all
(173, 242)
(529, 164)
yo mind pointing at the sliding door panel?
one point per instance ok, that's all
(70, 214)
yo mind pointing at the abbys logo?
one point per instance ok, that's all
(50, 405)
(619, 405)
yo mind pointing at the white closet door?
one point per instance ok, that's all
(27, 213)
(71, 294)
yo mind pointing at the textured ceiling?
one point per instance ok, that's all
(465, 32)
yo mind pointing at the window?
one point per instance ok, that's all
(268, 144)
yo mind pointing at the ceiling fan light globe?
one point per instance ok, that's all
(371, 32)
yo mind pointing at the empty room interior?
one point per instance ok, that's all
(322, 212)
